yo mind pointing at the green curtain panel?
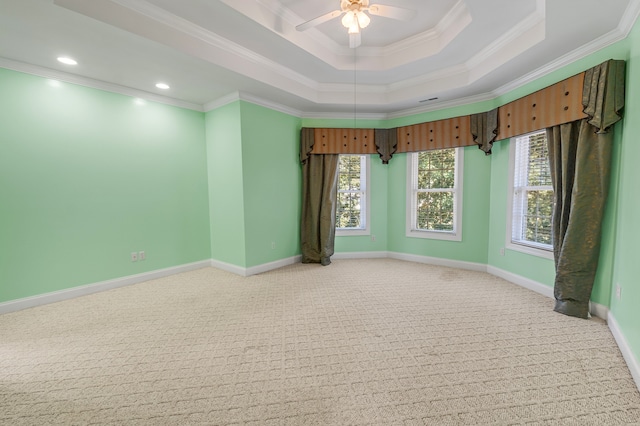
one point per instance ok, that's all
(603, 94)
(319, 199)
(386, 143)
(580, 159)
(484, 129)
(307, 140)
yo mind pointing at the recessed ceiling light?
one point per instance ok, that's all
(66, 60)
(163, 86)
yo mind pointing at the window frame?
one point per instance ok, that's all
(365, 163)
(411, 208)
(528, 247)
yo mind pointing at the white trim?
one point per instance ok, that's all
(443, 105)
(83, 290)
(527, 283)
(176, 23)
(241, 96)
(598, 310)
(94, 84)
(360, 255)
(222, 101)
(439, 261)
(266, 267)
(254, 270)
(623, 345)
(234, 269)
(530, 250)
(274, 106)
(345, 115)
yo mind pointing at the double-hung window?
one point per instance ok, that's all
(434, 194)
(352, 210)
(531, 196)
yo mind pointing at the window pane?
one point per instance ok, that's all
(349, 172)
(436, 169)
(435, 211)
(533, 192)
(537, 219)
(538, 173)
(348, 211)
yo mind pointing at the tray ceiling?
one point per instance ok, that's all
(213, 51)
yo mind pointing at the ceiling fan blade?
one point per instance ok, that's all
(319, 20)
(391, 12)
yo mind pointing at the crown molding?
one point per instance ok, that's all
(345, 116)
(170, 20)
(629, 17)
(469, 100)
(95, 84)
(274, 106)
(577, 54)
(222, 101)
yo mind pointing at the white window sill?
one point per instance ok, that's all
(533, 251)
(342, 232)
(435, 235)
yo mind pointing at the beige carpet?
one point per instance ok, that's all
(358, 342)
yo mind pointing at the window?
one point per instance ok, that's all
(434, 190)
(352, 211)
(531, 193)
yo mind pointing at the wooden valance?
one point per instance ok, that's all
(344, 141)
(554, 105)
(435, 135)
(557, 104)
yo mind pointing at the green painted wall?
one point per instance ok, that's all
(226, 186)
(626, 265)
(87, 177)
(272, 179)
(475, 212)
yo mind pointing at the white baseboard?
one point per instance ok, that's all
(234, 269)
(471, 266)
(627, 353)
(361, 255)
(596, 309)
(83, 290)
(265, 267)
(521, 281)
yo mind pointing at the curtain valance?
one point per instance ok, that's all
(572, 99)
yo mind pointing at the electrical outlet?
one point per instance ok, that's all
(373, 237)
(134, 256)
(502, 251)
(273, 245)
(142, 255)
(618, 291)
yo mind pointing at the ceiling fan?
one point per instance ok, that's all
(355, 17)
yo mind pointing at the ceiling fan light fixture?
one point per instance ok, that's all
(363, 19)
(349, 19)
(354, 28)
